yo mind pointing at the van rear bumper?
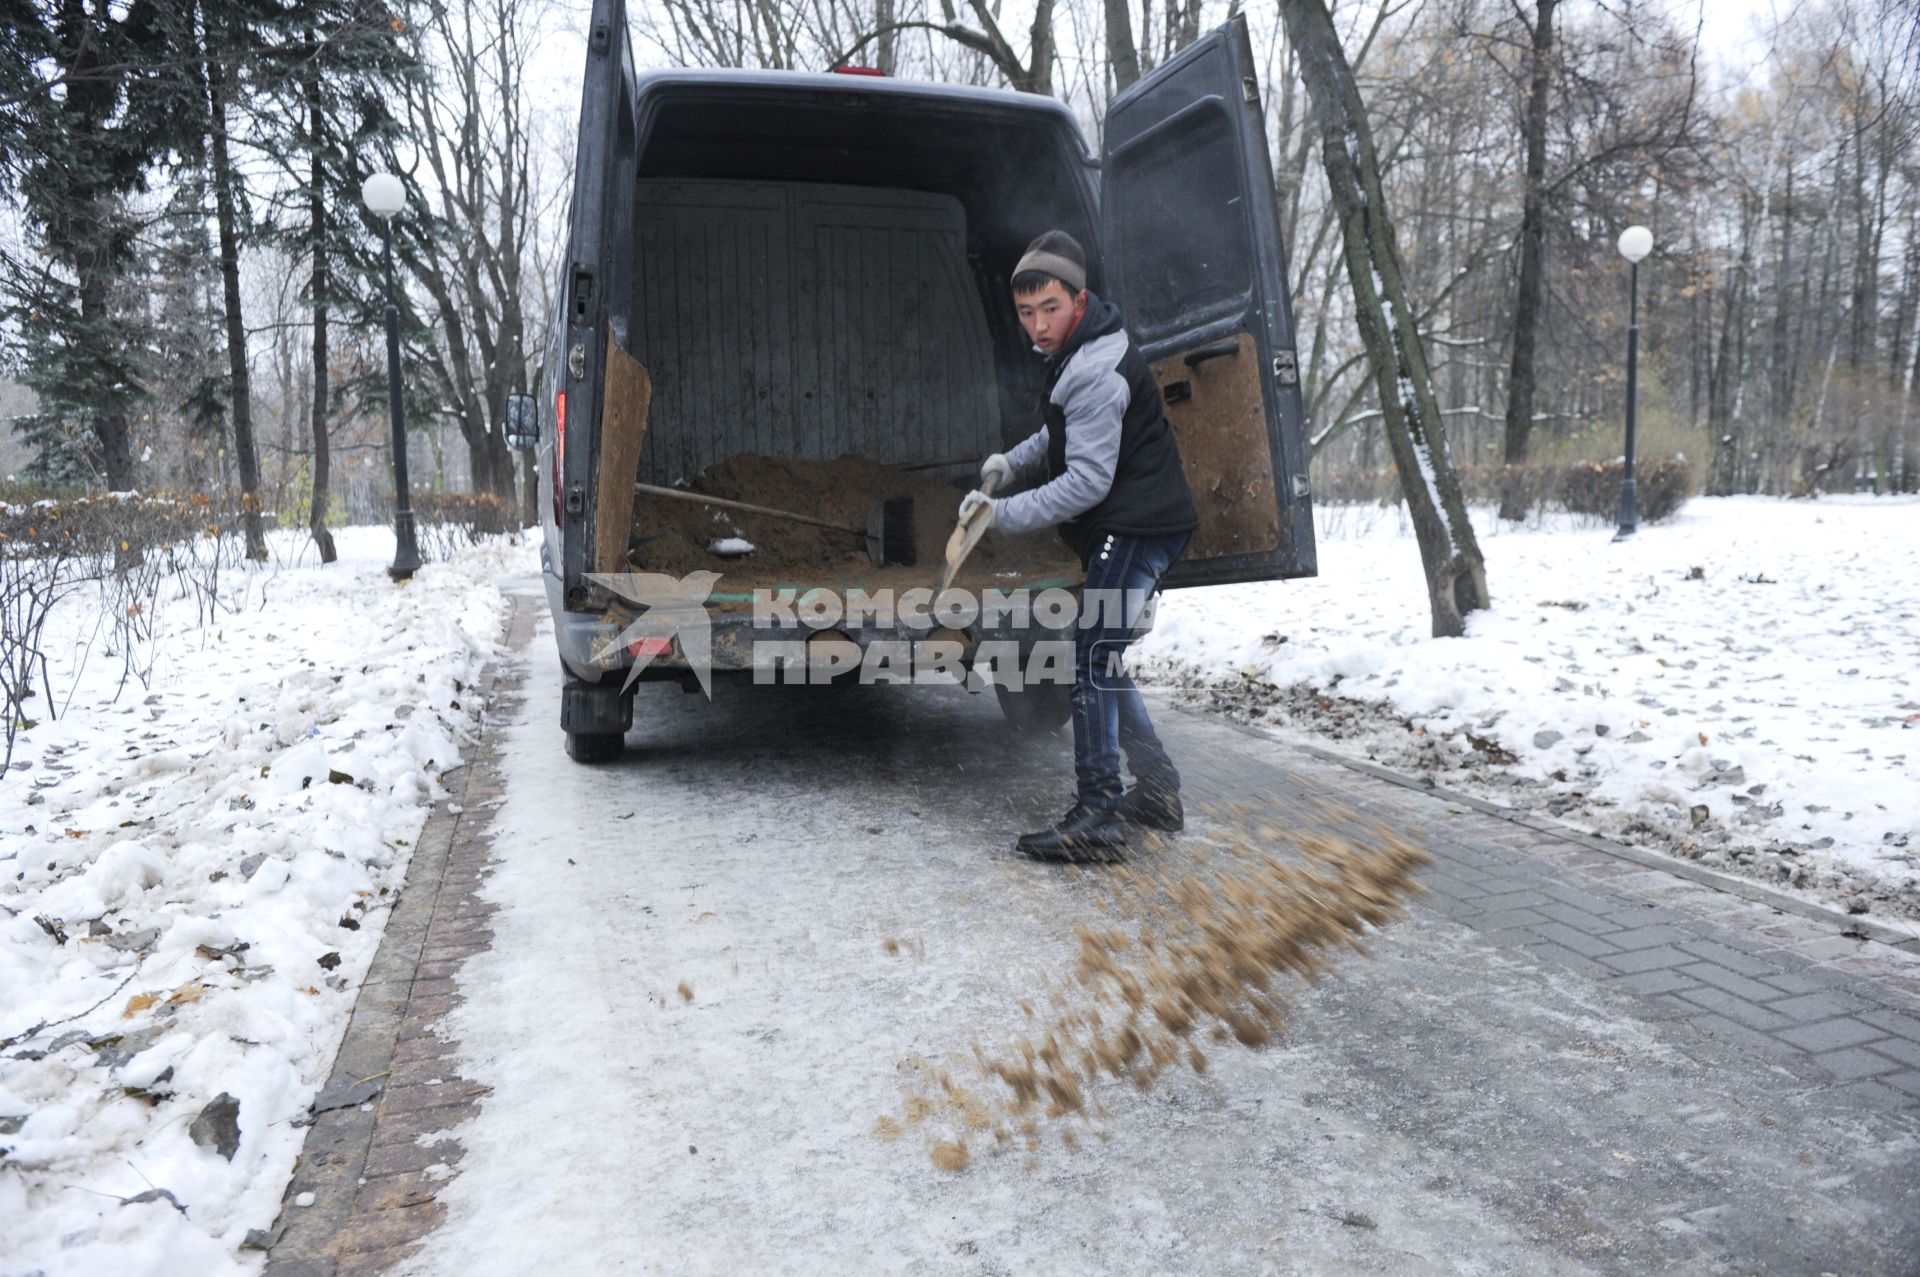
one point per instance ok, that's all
(600, 647)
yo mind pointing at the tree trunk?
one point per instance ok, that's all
(883, 19)
(1121, 54)
(1781, 381)
(1040, 57)
(1416, 433)
(85, 233)
(1866, 265)
(242, 391)
(1723, 424)
(1183, 24)
(1533, 247)
(322, 454)
(112, 430)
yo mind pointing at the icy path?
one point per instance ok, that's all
(1740, 685)
(195, 880)
(691, 1020)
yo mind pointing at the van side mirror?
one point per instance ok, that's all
(523, 423)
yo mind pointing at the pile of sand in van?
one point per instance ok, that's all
(675, 536)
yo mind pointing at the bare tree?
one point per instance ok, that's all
(1533, 243)
(1417, 434)
(1034, 74)
(475, 167)
(1122, 57)
(226, 196)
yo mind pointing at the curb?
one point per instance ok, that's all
(1855, 925)
(393, 1004)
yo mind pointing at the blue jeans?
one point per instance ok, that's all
(1108, 713)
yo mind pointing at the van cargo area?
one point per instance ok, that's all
(823, 284)
(677, 537)
(841, 327)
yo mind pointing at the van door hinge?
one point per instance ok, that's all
(598, 41)
(1286, 369)
(576, 498)
(1249, 88)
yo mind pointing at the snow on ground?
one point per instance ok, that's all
(1737, 685)
(193, 881)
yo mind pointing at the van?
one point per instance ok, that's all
(808, 266)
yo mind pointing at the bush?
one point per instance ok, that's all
(1588, 489)
(1660, 488)
(446, 521)
(127, 546)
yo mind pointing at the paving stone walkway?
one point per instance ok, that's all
(1731, 960)
(382, 1138)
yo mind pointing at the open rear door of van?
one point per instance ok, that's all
(1192, 255)
(597, 286)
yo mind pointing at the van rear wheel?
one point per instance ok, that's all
(1037, 708)
(595, 747)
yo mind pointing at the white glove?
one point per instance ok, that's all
(973, 501)
(997, 464)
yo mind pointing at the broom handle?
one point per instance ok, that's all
(745, 507)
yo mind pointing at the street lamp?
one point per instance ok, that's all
(1635, 243)
(386, 195)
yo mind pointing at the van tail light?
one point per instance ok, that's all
(858, 70)
(559, 450)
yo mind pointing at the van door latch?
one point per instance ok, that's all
(1286, 369)
(582, 294)
(1249, 88)
(577, 360)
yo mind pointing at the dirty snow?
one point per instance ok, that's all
(1736, 685)
(193, 880)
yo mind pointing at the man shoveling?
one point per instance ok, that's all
(1106, 472)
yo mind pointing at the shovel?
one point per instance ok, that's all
(967, 533)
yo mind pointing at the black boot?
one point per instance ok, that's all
(1155, 805)
(1083, 836)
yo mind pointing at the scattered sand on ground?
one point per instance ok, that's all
(951, 1155)
(1187, 953)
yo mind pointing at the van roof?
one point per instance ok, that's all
(919, 92)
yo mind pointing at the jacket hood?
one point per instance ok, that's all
(1102, 317)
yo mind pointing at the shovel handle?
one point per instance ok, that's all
(745, 507)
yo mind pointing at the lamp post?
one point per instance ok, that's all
(386, 195)
(1635, 243)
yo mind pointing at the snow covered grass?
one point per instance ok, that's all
(193, 880)
(1737, 685)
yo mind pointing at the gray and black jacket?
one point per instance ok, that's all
(1105, 461)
